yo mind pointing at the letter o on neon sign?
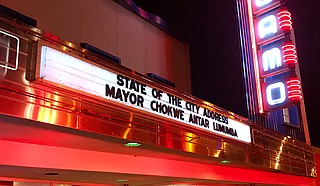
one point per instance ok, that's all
(278, 89)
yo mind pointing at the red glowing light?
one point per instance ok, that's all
(294, 89)
(51, 36)
(289, 53)
(284, 18)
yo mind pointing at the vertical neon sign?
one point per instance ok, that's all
(271, 67)
(273, 53)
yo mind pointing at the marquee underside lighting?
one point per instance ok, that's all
(132, 144)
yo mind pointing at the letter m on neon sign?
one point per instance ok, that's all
(271, 59)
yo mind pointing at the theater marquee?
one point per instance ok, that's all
(80, 75)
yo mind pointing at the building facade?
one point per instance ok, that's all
(78, 108)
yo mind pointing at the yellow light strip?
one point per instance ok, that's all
(279, 153)
(189, 145)
(129, 126)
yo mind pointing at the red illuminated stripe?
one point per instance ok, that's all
(294, 89)
(284, 18)
(51, 36)
(289, 53)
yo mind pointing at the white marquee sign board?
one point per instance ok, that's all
(69, 71)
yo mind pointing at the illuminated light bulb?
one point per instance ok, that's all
(132, 144)
(284, 18)
(294, 89)
(225, 161)
(289, 53)
(122, 180)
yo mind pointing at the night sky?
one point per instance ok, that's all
(211, 29)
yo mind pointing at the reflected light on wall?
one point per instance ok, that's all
(314, 172)
(47, 113)
(189, 145)
(69, 121)
(231, 115)
(221, 149)
(70, 44)
(207, 105)
(129, 127)
(279, 152)
(28, 111)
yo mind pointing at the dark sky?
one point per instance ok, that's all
(210, 27)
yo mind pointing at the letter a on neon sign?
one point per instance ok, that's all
(267, 25)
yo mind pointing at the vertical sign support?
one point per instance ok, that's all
(302, 103)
